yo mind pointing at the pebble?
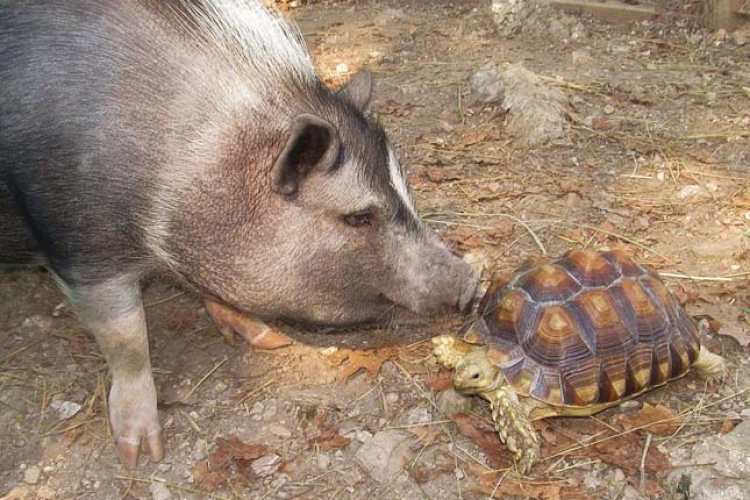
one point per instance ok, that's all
(609, 109)
(280, 431)
(619, 475)
(342, 68)
(49, 469)
(32, 474)
(44, 492)
(159, 491)
(689, 191)
(266, 465)
(65, 409)
(324, 461)
(418, 415)
(363, 435)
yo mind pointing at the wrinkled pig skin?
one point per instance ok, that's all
(193, 139)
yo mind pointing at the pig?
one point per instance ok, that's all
(193, 138)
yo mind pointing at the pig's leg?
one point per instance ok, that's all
(113, 312)
(253, 330)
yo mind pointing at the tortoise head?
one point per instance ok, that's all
(476, 373)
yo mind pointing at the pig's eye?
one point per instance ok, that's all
(359, 219)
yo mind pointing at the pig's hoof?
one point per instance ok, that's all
(254, 331)
(135, 419)
(129, 447)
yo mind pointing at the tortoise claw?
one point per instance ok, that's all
(514, 428)
(449, 350)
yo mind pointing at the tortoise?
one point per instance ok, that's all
(572, 336)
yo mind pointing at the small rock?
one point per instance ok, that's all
(159, 491)
(19, 493)
(324, 461)
(384, 455)
(690, 191)
(280, 431)
(65, 409)
(363, 435)
(32, 474)
(342, 68)
(266, 465)
(619, 475)
(44, 492)
(450, 401)
(739, 38)
(418, 415)
(581, 57)
(718, 249)
(592, 481)
(446, 127)
(609, 109)
(487, 84)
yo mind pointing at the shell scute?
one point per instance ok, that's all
(620, 260)
(589, 268)
(548, 283)
(555, 338)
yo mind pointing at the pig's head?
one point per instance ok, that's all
(319, 227)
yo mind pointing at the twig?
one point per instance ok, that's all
(700, 278)
(497, 485)
(195, 387)
(162, 301)
(642, 467)
(20, 350)
(179, 487)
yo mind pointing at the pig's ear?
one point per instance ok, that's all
(358, 91)
(313, 144)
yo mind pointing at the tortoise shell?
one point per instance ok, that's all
(585, 329)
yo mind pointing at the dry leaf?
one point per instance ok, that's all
(426, 435)
(728, 425)
(371, 361)
(487, 481)
(443, 174)
(442, 382)
(325, 433)
(424, 473)
(625, 452)
(648, 415)
(484, 435)
(215, 470)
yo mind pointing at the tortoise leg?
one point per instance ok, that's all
(448, 350)
(515, 429)
(709, 365)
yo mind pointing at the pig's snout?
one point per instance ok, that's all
(441, 283)
(467, 280)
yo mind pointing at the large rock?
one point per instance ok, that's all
(729, 477)
(384, 455)
(536, 112)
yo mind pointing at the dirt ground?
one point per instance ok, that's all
(655, 160)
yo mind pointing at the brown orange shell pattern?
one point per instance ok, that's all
(585, 329)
